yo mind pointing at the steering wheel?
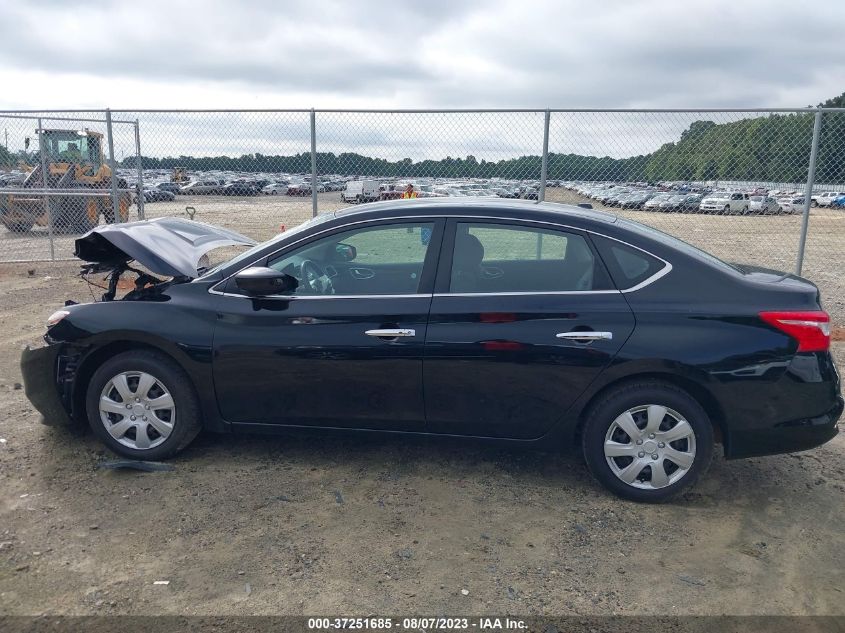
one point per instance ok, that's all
(315, 278)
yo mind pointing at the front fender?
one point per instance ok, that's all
(88, 337)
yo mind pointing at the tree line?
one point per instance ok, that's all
(774, 147)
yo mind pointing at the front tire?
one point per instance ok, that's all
(142, 405)
(647, 441)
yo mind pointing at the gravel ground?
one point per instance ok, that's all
(299, 525)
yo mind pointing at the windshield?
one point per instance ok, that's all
(282, 236)
(72, 147)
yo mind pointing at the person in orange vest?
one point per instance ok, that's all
(409, 192)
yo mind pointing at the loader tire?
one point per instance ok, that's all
(19, 227)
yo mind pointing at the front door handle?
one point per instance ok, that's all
(391, 333)
(585, 337)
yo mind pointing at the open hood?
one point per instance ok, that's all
(166, 246)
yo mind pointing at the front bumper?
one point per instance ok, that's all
(39, 367)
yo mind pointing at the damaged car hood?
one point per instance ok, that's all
(166, 246)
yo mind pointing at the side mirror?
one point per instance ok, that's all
(262, 282)
(345, 252)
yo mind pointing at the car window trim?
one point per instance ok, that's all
(426, 276)
(443, 281)
(444, 217)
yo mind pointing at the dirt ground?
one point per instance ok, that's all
(305, 525)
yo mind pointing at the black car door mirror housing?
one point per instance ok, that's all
(259, 281)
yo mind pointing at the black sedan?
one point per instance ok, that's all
(240, 189)
(158, 195)
(530, 322)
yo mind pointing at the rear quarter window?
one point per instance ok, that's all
(628, 266)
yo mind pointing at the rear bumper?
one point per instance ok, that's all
(38, 367)
(786, 437)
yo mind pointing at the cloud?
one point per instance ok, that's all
(657, 53)
(440, 53)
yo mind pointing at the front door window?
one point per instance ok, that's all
(374, 260)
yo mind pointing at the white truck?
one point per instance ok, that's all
(725, 202)
(360, 191)
(825, 198)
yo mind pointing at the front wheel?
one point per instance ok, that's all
(143, 406)
(647, 441)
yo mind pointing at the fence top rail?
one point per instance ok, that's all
(424, 110)
(28, 117)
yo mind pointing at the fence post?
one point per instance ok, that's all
(811, 181)
(114, 202)
(313, 164)
(544, 168)
(140, 199)
(45, 174)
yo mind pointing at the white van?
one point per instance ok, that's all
(360, 191)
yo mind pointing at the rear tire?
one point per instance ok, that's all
(624, 462)
(143, 398)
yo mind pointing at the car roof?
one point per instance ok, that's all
(516, 209)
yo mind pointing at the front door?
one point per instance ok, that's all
(343, 350)
(522, 321)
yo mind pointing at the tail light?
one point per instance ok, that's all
(811, 329)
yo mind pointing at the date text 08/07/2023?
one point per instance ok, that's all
(417, 623)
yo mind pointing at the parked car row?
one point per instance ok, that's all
(369, 190)
(660, 196)
(687, 199)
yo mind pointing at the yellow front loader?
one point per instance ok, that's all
(74, 162)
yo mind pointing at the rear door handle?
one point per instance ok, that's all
(585, 337)
(391, 333)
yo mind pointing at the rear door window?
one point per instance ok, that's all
(500, 258)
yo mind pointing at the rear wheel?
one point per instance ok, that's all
(647, 441)
(142, 406)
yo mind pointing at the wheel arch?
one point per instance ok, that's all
(696, 390)
(96, 357)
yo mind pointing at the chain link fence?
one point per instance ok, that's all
(748, 185)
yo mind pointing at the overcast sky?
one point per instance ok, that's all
(432, 53)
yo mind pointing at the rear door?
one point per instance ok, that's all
(523, 319)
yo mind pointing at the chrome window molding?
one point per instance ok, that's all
(645, 282)
(667, 268)
(527, 292)
(304, 297)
